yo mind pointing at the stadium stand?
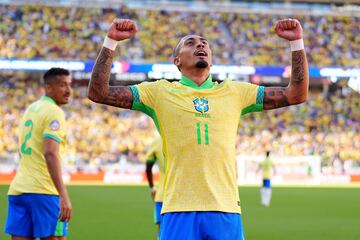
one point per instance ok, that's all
(101, 137)
(33, 32)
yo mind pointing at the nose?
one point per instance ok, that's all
(68, 89)
(200, 45)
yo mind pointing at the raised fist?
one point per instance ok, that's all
(121, 29)
(289, 29)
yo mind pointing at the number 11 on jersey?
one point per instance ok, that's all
(206, 132)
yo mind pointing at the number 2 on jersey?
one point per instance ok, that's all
(206, 130)
(24, 149)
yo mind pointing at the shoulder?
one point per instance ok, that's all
(154, 83)
(238, 84)
(42, 108)
(53, 111)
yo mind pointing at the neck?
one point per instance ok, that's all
(53, 99)
(198, 76)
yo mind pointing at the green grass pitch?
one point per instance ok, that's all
(126, 212)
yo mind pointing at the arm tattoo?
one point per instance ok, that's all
(99, 90)
(296, 91)
(275, 97)
(298, 68)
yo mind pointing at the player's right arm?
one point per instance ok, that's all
(99, 89)
(51, 153)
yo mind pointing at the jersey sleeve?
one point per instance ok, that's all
(251, 97)
(144, 96)
(55, 126)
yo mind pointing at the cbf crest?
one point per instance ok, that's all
(201, 104)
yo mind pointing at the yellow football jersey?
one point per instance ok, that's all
(266, 167)
(198, 126)
(155, 154)
(42, 119)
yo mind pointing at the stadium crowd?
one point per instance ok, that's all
(328, 125)
(28, 32)
(101, 137)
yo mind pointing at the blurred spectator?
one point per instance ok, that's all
(28, 32)
(100, 137)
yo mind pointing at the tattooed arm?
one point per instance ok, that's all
(99, 90)
(297, 90)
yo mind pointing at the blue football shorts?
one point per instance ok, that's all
(157, 212)
(266, 183)
(201, 225)
(34, 215)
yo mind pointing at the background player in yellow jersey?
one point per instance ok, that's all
(197, 120)
(266, 166)
(155, 154)
(39, 205)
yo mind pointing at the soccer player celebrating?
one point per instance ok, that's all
(266, 166)
(155, 154)
(198, 119)
(39, 205)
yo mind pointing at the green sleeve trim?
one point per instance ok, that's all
(252, 108)
(136, 96)
(260, 95)
(139, 106)
(47, 135)
(258, 106)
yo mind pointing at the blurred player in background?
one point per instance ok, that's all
(266, 167)
(198, 120)
(155, 154)
(39, 205)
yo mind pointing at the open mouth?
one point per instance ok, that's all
(200, 53)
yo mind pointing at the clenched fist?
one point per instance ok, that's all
(122, 29)
(289, 29)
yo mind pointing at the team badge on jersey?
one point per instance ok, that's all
(54, 125)
(201, 104)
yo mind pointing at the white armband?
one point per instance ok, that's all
(110, 43)
(297, 45)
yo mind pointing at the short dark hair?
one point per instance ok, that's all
(52, 73)
(177, 48)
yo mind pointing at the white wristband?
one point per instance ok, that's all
(297, 45)
(110, 43)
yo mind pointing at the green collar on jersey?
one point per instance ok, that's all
(49, 99)
(205, 85)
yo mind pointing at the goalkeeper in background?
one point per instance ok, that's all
(266, 166)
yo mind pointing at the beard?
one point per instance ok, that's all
(202, 64)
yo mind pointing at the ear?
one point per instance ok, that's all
(48, 88)
(177, 62)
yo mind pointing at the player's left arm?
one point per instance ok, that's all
(51, 154)
(297, 90)
(149, 176)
